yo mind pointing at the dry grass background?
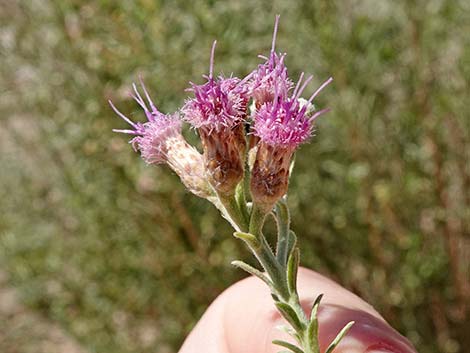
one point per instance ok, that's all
(120, 258)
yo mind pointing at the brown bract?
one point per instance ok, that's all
(270, 174)
(224, 152)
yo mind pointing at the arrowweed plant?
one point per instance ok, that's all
(250, 129)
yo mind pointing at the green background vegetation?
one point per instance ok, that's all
(123, 258)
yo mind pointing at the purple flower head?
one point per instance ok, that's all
(217, 104)
(218, 111)
(270, 77)
(159, 140)
(151, 136)
(281, 126)
(286, 122)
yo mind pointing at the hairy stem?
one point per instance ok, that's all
(234, 213)
(264, 253)
(282, 271)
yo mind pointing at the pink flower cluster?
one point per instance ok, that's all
(279, 120)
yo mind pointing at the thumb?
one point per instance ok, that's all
(244, 319)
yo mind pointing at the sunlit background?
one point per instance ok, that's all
(100, 253)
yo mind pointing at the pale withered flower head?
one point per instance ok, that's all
(218, 112)
(159, 140)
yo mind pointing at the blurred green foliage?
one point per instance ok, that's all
(127, 261)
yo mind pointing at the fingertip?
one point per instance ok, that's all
(251, 318)
(208, 335)
(244, 319)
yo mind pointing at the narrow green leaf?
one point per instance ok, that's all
(291, 242)
(339, 337)
(292, 268)
(312, 333)
(249, 239)
(288, 345)
(312, 329)
(292, 164)
(282, 218)
(252, 271)
(316, 304)
(241, 200)
(239, 194)
(290, 315)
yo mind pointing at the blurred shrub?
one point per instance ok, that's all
(127, 261)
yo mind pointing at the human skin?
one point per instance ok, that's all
(243, 319)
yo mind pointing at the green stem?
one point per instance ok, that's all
(272, 267)
(237, 219)
(282, 272)
(258, 216)
(243, 188)
(276, 267)
(265, 255)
